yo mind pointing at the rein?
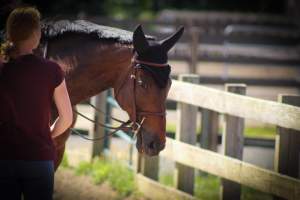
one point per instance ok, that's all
(136, 65)
(132, 125)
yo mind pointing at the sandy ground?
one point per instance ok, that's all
(71, 187)
(68, 186)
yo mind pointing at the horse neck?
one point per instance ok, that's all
(91, 68)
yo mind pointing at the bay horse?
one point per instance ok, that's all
(95, 58)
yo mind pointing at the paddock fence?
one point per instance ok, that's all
(282, 182)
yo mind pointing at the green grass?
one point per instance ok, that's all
(253, 132)
(167, 180)
(208, 187)
(260, 132)
(251, 194)
(120, 177)
(65, 162)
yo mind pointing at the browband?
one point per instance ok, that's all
(134, 60)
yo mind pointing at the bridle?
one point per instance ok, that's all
(136, 65)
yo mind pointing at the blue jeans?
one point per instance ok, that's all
(32, 179)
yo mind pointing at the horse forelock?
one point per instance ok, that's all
(161, 75)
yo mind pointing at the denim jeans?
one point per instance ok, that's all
(31, 179)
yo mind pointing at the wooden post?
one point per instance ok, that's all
(148, 166)
(98, 146)
(186, 132)
(287, 149)
(209, 129)
(194, 34)
(233, 142)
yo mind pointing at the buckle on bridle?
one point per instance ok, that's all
(135, 126)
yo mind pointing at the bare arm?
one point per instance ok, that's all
(65, 114)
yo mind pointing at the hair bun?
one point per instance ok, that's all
(6, 49)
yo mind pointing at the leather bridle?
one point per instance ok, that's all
(138, 114)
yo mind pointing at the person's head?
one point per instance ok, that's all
(22, 31)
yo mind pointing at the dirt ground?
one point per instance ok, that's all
(68, 186)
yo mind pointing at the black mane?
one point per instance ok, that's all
(53, 29)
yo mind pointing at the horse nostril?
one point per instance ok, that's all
(151, 145)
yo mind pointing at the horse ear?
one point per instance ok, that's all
(140, 42)
(169, 42)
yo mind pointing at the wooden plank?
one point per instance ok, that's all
(233, 169)
(287, 148)
(100, 103)
(286, 116)
(209, 129)
(233, 143)
(154, 190)
(186, 132)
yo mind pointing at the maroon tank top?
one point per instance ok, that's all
(28, 83)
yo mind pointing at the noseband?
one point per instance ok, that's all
(135, 66)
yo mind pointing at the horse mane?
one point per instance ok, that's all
(54, 29)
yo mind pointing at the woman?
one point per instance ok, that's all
(28, 86)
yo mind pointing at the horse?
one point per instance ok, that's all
(95, 58)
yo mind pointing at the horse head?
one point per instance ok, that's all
(145, 88)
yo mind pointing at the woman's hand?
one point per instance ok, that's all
(64, 108)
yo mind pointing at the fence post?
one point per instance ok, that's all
(233, 142)
(148, 166)
(209, 129)
(194, 33)
(287, 149)
(186, 132)
(99, 131)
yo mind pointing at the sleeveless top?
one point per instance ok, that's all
(27, 85)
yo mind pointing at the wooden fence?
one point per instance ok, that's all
(283, 182)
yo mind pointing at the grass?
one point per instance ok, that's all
(260, 132)
(65, 162)
(208, 187)
(253, 132)
(120, 177)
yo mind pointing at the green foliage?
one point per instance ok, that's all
(260, 132)
(65, 162)
(167, 179)
(115, 173)
(251, 194)
(207, 187)
(122, 179)
(83, 168)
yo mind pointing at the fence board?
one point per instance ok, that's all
(233, 169)
(251, 108)
(155, 190)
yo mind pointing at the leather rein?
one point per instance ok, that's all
(136, 114)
